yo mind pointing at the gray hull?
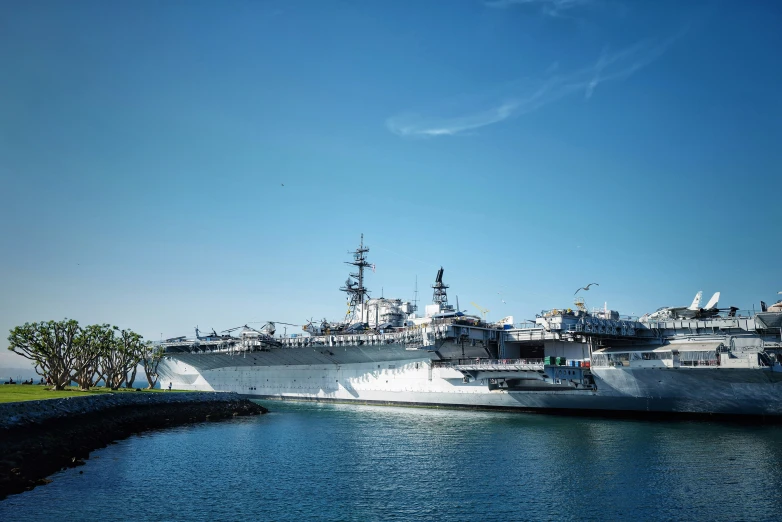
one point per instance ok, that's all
(395, 375)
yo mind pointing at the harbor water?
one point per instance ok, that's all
(307, 461)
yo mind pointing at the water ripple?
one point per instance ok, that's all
(346, 463)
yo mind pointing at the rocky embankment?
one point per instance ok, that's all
(38, 438)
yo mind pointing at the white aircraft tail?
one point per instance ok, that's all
(696, 303)
(713, 301)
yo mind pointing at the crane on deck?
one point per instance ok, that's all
(483, 311)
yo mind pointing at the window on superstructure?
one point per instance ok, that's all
(619, 359)
(698, 358)
(655, 356)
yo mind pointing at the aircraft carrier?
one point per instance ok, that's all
(677, 360)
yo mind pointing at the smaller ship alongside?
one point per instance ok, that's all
(690, 359)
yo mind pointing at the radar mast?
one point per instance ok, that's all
(354, 286)
(440, 296)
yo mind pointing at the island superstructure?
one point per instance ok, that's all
(719, 362)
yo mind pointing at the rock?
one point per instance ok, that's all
(41, 437)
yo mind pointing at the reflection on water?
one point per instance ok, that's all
(341, 462)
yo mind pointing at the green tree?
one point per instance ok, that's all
(151, 357)
(93, 342)
(120, 361)
(51, 345)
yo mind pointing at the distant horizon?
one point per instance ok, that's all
(18, 373)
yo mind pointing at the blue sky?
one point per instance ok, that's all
(528, 146)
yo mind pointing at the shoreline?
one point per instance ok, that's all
(40, 438)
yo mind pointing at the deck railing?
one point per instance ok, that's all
(490, 364)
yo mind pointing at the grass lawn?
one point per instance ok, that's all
(36, 392)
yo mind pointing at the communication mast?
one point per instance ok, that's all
(354, 286)
(415, 295)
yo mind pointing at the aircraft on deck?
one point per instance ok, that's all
(694, 311)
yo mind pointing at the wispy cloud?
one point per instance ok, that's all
(529, 94)
(411, 124)
(548, 7)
